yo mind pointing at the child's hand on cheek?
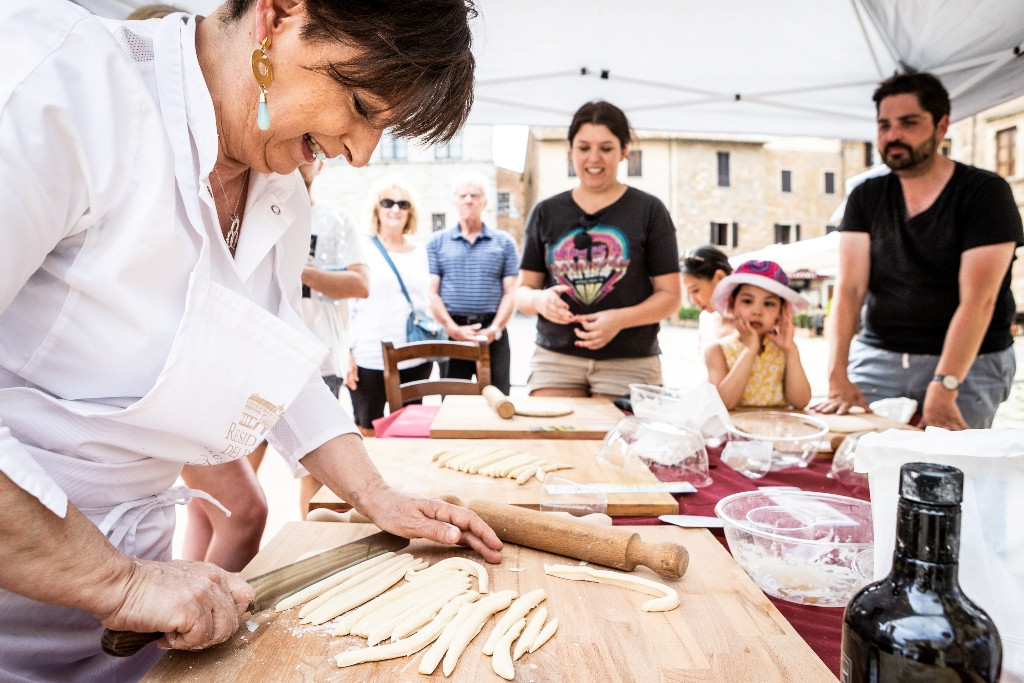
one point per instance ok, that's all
(782, 334)
(748, 335)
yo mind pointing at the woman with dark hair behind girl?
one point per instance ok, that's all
(703, 268)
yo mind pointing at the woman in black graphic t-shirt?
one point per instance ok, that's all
(600, 269)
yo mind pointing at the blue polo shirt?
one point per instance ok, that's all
(471, 274)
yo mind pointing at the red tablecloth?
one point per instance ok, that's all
(821, 627)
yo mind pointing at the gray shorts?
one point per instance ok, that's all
(890, 374)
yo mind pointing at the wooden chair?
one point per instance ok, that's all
(399, 394)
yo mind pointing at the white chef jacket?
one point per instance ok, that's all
(98, 249)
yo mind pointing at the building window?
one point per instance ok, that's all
(719, 234)
(787, 181)
(503, 203)
(436, 221)
(393, 149)
(1006, 152)
(787, 234)
(830, 182)
(572, 169)
(723, 169)
(634, 162)
(449, 150)
(831, 228)
(869, 155)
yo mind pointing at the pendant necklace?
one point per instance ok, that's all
(236, 221)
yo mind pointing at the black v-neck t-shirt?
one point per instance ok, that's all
(913, 289)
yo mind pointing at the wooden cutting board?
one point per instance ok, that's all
(724, 630)
(470, 417)
(406, 465)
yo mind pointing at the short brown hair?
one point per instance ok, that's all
(930, 92)
(416, 56)
(601, 113)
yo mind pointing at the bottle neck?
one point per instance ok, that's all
(927, 544)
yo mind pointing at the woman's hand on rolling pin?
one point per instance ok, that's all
(550, 304)
(599, 328)
(418, 517)
(194, 604)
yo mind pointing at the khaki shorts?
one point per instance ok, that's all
(612, 377)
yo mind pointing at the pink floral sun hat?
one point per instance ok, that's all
(764, 274)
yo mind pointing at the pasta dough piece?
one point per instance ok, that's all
(517, 611)
(501, 662)
(530, 633)
(545, 634)
(417, 618)
(429, 604)
(667, 598)
(324, 585)
(413, 643)
(345, 624)
(391, 608)
(433, 656)
(396, 561)
(364, 592)
(472, 625)
(460, 563)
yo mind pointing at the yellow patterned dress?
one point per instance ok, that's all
(765, 384)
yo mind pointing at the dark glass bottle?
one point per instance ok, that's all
(916, 624)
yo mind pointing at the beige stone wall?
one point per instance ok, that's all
(682, 171)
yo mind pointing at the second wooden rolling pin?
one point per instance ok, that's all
(499, 402)
(609, 546)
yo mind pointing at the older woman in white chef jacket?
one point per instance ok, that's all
(152, 233)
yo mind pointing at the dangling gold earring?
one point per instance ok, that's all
(264, 74)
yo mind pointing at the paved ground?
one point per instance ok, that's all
(682, 366)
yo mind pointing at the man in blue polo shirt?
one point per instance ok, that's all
(473, 271)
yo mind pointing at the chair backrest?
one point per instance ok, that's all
(399, 394)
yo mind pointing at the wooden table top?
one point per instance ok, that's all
(470, 417)
(406, 465)
(725, 629)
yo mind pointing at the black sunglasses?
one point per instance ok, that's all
(403, 204)
(582, 240)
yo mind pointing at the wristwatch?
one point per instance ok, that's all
(948, 382)
(496, 330)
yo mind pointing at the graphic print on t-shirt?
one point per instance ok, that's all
(590, 261)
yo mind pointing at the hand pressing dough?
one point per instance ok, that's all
(502, 660)
(667, 597)
(460, 563)
(413, 643)
(472, 625)
(530, 633)
(517, 611)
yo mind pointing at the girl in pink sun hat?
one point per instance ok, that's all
(759, 365)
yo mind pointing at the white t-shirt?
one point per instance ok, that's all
(383, 315)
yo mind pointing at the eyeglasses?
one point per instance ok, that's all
(583, 240)
(403, 204)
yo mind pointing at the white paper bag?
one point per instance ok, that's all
(992, 521)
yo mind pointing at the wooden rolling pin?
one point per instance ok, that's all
(570, 537)
(499, 402)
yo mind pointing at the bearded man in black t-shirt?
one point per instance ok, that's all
(926, 251)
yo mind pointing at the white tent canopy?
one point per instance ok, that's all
(790, 67)
(818, 255)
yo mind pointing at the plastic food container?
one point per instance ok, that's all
(656, 403)
(799, 546)
(795, 438)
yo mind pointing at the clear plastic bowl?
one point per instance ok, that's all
(799, 546)
(795, 437)
(656, 403)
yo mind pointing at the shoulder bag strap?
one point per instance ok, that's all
(384, 253)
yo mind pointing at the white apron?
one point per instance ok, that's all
(232, 371)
